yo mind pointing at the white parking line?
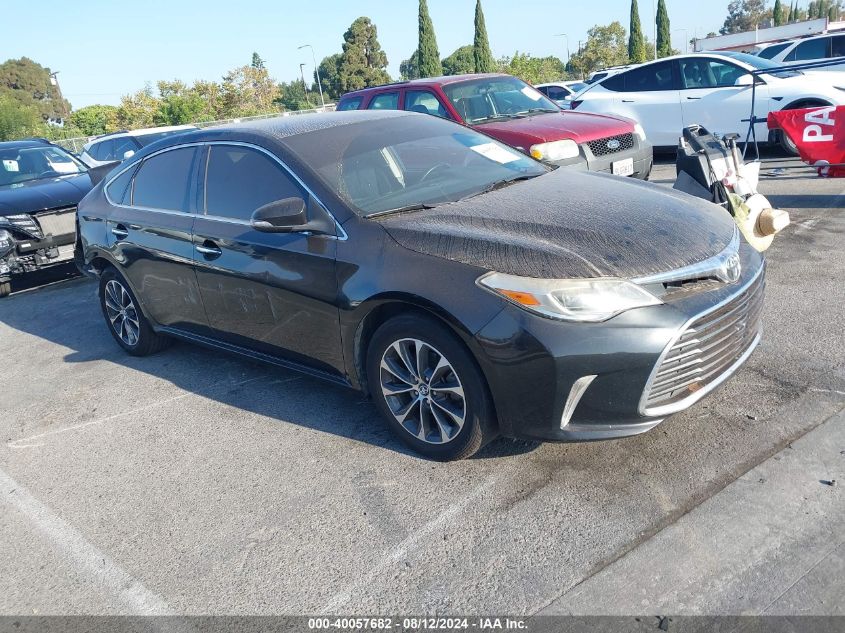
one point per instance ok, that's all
(406, 547)
(104, 572)
(32, 440)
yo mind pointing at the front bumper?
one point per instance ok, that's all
(536, 390)
(37, 251)
(642, 155)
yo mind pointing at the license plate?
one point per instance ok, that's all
(623, 167)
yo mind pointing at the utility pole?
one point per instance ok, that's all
(316, 72)
(567, 44)
(304, 85)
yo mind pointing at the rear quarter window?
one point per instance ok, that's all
(352, 103)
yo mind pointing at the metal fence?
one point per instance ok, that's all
(75, 145)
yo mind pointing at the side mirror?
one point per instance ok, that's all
(128, 154)
(744, 80)
(290, 215)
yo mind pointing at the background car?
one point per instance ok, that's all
(121, 145)
(708, 89)
(469, 289)
(40, 186)
(561, 92)
(511, 111)
(810, 49)
(767, 51)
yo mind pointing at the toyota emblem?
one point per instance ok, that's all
(731, 268)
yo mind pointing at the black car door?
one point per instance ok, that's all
(274, 293)
(150, 235)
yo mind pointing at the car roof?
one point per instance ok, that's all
(427, 81)
(25, 143)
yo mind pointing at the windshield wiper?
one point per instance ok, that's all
(499, 117)
(537, 110)
(410, 207)
(505, 183)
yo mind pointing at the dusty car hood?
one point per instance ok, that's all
(581, 127)
(570, 224)
(38, 195)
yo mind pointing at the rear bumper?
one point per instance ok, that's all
(642, 155)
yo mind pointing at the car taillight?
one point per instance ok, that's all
(575, 103)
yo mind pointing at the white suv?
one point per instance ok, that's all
(812, 49)
(121, 145)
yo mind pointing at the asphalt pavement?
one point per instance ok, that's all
(193, 482)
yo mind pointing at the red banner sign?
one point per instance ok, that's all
(819, 134)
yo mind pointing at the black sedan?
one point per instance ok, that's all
(468, 289)
(40, 186)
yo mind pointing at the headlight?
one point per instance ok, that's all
(7, 243)
(584, 300)
(639, 131)
(556, 150)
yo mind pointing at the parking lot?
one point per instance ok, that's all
(195, 482)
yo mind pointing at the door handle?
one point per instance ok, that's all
(693, 98)
(120, 232)
(209, 250)
(628, 101)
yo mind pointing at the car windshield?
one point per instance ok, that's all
(761, 64)
(483, 100)
(23, 164)
(771, 51)
(409, 162)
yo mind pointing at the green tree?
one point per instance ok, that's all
(410, 68)
(606, 46)
(429, 55)
(95, 119)
(363, 63)
(664, 30)
(792, 13)
(248, 91)
(330, 76)
(137, 110)
(533, 70)
(257, 62)
(32, 86)
(178, 105)
(293, 96)
(461, 62)
(18, 120)
(482, 56)
(745, 15)
(777, 14)
(636, 41)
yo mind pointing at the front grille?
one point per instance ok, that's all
(57, 223)
(708, 348)
(600, 146)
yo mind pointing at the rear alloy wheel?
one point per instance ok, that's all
(429, 389)
(126, 322)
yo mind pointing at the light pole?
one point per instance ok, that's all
(567, 44)
(686, 39)
(654, 24)
(304, 85)
(316, 71)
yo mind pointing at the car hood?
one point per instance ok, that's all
(49, 193)
(542, 128)
(569, 224)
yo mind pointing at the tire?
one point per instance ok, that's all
(448, 415)
(125, 321)
(5, 288)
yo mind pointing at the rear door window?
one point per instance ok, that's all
(425, 102)
(651, 78)
(240, 179)
(353, 103)
(164, 181)
(811, 49)
(838, 46)
(385, 101)
(118, 189)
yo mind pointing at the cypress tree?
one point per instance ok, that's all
(636, 42)
(429, 59)
(664, 31)
(777, 14)
(484, 62)
(791, 13)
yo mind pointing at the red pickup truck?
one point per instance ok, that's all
(517, 114)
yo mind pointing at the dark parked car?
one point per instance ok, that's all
(40, 186)
(469, 289)
(510, 110)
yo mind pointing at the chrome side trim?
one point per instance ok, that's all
(710, 267)
(698, 395)
(341, 233)
(579, 387)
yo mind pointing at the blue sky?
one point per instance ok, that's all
(107, 48)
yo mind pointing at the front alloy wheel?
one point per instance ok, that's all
(423, 391)
(122, 313)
